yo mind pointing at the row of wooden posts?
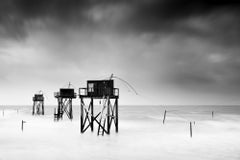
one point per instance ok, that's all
(190, 126)
(164, 119)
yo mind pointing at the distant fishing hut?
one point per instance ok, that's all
(104, 91)
(38, 104)
(64, 98)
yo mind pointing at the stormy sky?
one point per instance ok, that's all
(170, 51)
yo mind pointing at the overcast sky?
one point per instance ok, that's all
(171, 51)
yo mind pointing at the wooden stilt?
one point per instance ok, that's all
(116, 115)
(82, 116)
(108, 116)
(92, 115)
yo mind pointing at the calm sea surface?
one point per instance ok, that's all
(142, 134)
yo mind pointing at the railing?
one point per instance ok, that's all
(84, 92)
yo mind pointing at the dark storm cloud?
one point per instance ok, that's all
(161, 14)
(15, 14)
(143, 15)
(202, 66)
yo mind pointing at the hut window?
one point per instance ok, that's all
(90, 87)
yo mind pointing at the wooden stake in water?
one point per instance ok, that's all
(164, 117)
(191, 129)
(22, 124)
(3, 113)
(212, 114)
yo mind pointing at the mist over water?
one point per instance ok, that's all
(142, 134)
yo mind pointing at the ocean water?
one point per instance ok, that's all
(142, 134)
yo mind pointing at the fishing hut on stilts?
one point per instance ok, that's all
(64, 98)
(38, 104)
(104, 91)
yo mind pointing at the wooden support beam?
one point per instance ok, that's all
(116, 114)
(101, 126)
(92, 114)
(82, 115)
(108, 117)
(43, 108)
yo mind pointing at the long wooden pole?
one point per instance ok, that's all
(22, 124)
(164, 117)
(191, 129)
